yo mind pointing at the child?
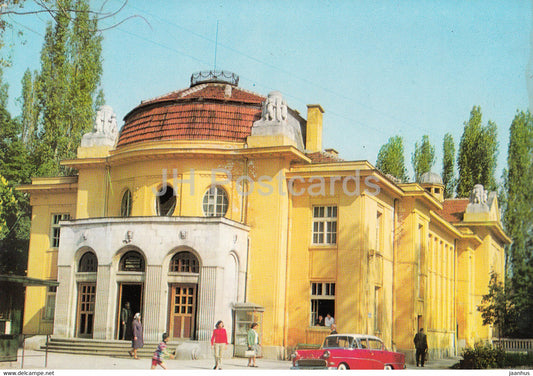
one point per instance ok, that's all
(161, 353)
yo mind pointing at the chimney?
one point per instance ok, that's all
(313, 139)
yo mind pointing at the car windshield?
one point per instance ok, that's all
(338, 342)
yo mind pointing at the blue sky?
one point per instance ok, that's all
(378, 68)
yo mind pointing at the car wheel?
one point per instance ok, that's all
(387, 366)
(342, 366)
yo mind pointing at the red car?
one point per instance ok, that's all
(349, 351)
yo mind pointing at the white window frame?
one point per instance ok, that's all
(55, 228)
(215, 202)
(50, 306)
(324, 228)
(321, 291)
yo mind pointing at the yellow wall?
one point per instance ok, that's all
(42, 258)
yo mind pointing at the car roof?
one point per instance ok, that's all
(358, 336)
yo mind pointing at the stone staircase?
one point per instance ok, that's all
(114, 348)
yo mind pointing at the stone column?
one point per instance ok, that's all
(154, 303)
(206, 302)
(103, 315)
(63, 310)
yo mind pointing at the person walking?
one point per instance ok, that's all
(421, 345)
(219, 342)
(253, 344)
(125, 317)
(161, 353)
(137, 331)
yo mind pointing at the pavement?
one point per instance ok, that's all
(37, 359)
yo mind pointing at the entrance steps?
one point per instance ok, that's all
(103, 347)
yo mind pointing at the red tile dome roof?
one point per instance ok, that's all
(208, 111)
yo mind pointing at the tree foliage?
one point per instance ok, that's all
(478, 150)
(391, 159)
(68, 86)
(518, 217)
(448, 165)
(497, 308)
(423, 157)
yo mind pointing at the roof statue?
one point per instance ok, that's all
(478, 200)
(105, 129)
(274, 108)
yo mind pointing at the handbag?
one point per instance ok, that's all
(249, 353)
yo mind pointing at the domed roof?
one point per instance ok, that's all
(206, 111)
(430, 178)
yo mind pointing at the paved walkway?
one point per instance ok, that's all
(36, 360)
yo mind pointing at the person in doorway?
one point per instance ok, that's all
(329, 320)
(137, 331)
(219, 342)
(253, 344)
(161, 353)
(421, 345)
(333, 328)
(125, 318)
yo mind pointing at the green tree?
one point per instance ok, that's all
(30, 109)
(14, 208)
(448, 163)
(69, 91)
(85, 48)
(391, 159)
(518, 217)
(423, 158)
(478, 150)
(497, 308)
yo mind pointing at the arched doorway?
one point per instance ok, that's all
(184, 270)
(86, 275)
(130, 280)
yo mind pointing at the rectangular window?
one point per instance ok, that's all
(379, 217)
(322, 301)
(377, 311)
(325, 225)
(56, 229)
(49, 309)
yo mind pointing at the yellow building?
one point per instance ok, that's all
(212, 200)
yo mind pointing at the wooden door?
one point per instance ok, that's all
(86, 300)
(182, 310)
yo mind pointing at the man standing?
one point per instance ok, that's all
(421, 345)
(125, 319)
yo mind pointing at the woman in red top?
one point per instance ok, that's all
(219, 339)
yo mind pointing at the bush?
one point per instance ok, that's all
(513, 360)
(482, 356)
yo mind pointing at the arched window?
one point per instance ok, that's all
(132, 261)
(215, 202)
(184, 262)
(166, 201)
(88, 263)
(125, 206)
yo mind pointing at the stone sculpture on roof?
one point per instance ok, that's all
(105, 129)
(274, 108)
(478, 200)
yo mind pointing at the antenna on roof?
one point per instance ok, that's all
(216, 45)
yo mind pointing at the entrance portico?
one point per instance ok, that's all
(206, 293)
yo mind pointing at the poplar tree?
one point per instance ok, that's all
(54, 96)
(85, 45)
(423, 158)
(30, 109)
(518, 217)
(391, 159)
(477, 154)
(69, 85)
(448, 163)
